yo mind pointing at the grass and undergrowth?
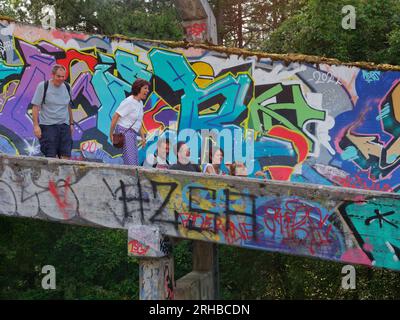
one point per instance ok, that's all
(92, 263)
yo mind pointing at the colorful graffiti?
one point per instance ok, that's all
(348, 226)
(191, 89)
(147, 241)
(296, 111)
(312, 123)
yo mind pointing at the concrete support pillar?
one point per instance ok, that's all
(203, 282)
(205, 259)
(156, 278)
(156, 263)
(195, 286)
(198, 20)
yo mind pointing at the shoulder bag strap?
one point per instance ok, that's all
(46, 86)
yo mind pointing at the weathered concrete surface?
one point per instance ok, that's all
(147, 241)
(333, 223)
(203, 282)
(156, 279)
(205, 259)
(316, 120)
(195, 285)
(199, 21)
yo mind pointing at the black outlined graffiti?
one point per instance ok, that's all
(230, 212)
(128, 195)
(380, 217)
(190, 224)
(165, 246)
(3, 49)
(158, 212)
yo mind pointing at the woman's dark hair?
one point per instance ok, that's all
(232, 169)
(138, 85)
(179, 146)
(211, 153)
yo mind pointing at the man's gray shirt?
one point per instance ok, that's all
(55, 107)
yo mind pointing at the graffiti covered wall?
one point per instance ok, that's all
(312, 123)
(340, 224)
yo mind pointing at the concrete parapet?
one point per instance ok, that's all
(340, 224)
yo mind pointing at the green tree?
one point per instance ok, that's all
(136, 18)
(93, 263)
(247, 23)
(250, 274)
(317, 30)
(90, 263)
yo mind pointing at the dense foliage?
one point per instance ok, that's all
(137, 18)
(317, 29)
(93, 263)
